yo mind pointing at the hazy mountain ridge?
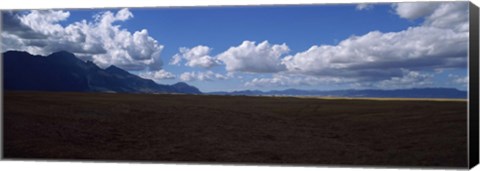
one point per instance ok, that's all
(397, 93)
(63, 71)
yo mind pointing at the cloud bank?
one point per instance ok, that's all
(102, 40)
(428, 46)
(379, 59)
(406, 58)
(386, 59)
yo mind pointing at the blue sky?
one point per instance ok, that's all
(323, 47)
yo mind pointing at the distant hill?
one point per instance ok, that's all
(63, 71)
(399, 93)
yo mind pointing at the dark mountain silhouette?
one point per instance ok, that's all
(63, 71)
(184, 87)
(399, 93)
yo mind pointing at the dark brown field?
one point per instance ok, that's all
(259, 130)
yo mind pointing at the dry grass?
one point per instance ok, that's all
(234, 129)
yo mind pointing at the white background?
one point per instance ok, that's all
(87, 166)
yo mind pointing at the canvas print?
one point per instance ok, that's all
(381, 84)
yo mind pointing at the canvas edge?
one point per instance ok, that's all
(473, 91)
(473, 115)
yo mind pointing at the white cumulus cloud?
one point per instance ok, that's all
(416, 47)
(198, 56)
(45, 22)
(414, 10)
(449, 15)
(254, 58)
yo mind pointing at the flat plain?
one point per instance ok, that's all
(234, 129)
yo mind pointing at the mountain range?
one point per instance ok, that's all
(63, 71)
